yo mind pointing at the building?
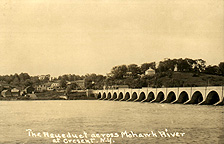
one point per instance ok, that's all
(150, 71)
(42, 77)
(50, 89)
(15, 92)
(55, 85)
(175, 68)
(41, 88)
(6, 93)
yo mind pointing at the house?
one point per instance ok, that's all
(150, 72)
(42, 77)
(55, 85)
(6, 93)
(15, 92)
(50, 89)
(41, 88)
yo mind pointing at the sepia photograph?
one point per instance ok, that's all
(112, 72)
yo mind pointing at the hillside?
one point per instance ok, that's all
(183, 79)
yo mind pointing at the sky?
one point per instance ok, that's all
(92, 36)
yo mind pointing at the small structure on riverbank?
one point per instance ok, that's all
(15, 92)
(63, 97)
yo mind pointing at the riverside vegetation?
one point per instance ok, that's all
(168, 73)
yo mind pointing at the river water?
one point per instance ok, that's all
(87, 121)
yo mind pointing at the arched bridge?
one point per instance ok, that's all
(212, 95)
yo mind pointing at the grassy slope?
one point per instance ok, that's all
(190, 79)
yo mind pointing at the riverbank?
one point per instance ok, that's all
(52, 95)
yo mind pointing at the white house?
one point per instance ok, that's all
(150, 71)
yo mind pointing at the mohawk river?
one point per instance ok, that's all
(93, 121)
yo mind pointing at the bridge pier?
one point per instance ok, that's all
(201, 103)
(153, 100)
(187, 102)
(119, 97)
(220, 103)
(174, 102)
(145, 100)
(163, 101)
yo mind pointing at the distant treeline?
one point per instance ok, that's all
(132, 75)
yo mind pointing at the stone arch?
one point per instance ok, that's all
(170, 97)
(103, 96)
(120, 96)
(126, 97)
(141, 96)
(212, 98)
(114, 96)
(160, 97)
(150, 97)
(98, 96)
(108, 96)
(183, 97)
(134, 96)
(196, 98)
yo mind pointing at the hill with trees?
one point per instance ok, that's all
(168, 73)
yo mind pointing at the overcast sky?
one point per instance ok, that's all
(91, 36)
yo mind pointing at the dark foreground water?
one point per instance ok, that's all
(109, 122)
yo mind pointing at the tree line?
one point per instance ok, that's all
(131, 75)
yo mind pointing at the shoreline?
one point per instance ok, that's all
(49, 96)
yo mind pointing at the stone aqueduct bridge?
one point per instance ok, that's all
(212, 95)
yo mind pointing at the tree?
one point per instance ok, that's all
(63, 83)
(68, 90)
(212, 70)
(167, 65)
(183, 65)
(28, 82)
(146, 66)
(134, 69)
(24, 76)
(221, 67)
(199, 65)
(70, 77)
(35, 80)
(93, 81)
(118, 72)
(16, 81)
